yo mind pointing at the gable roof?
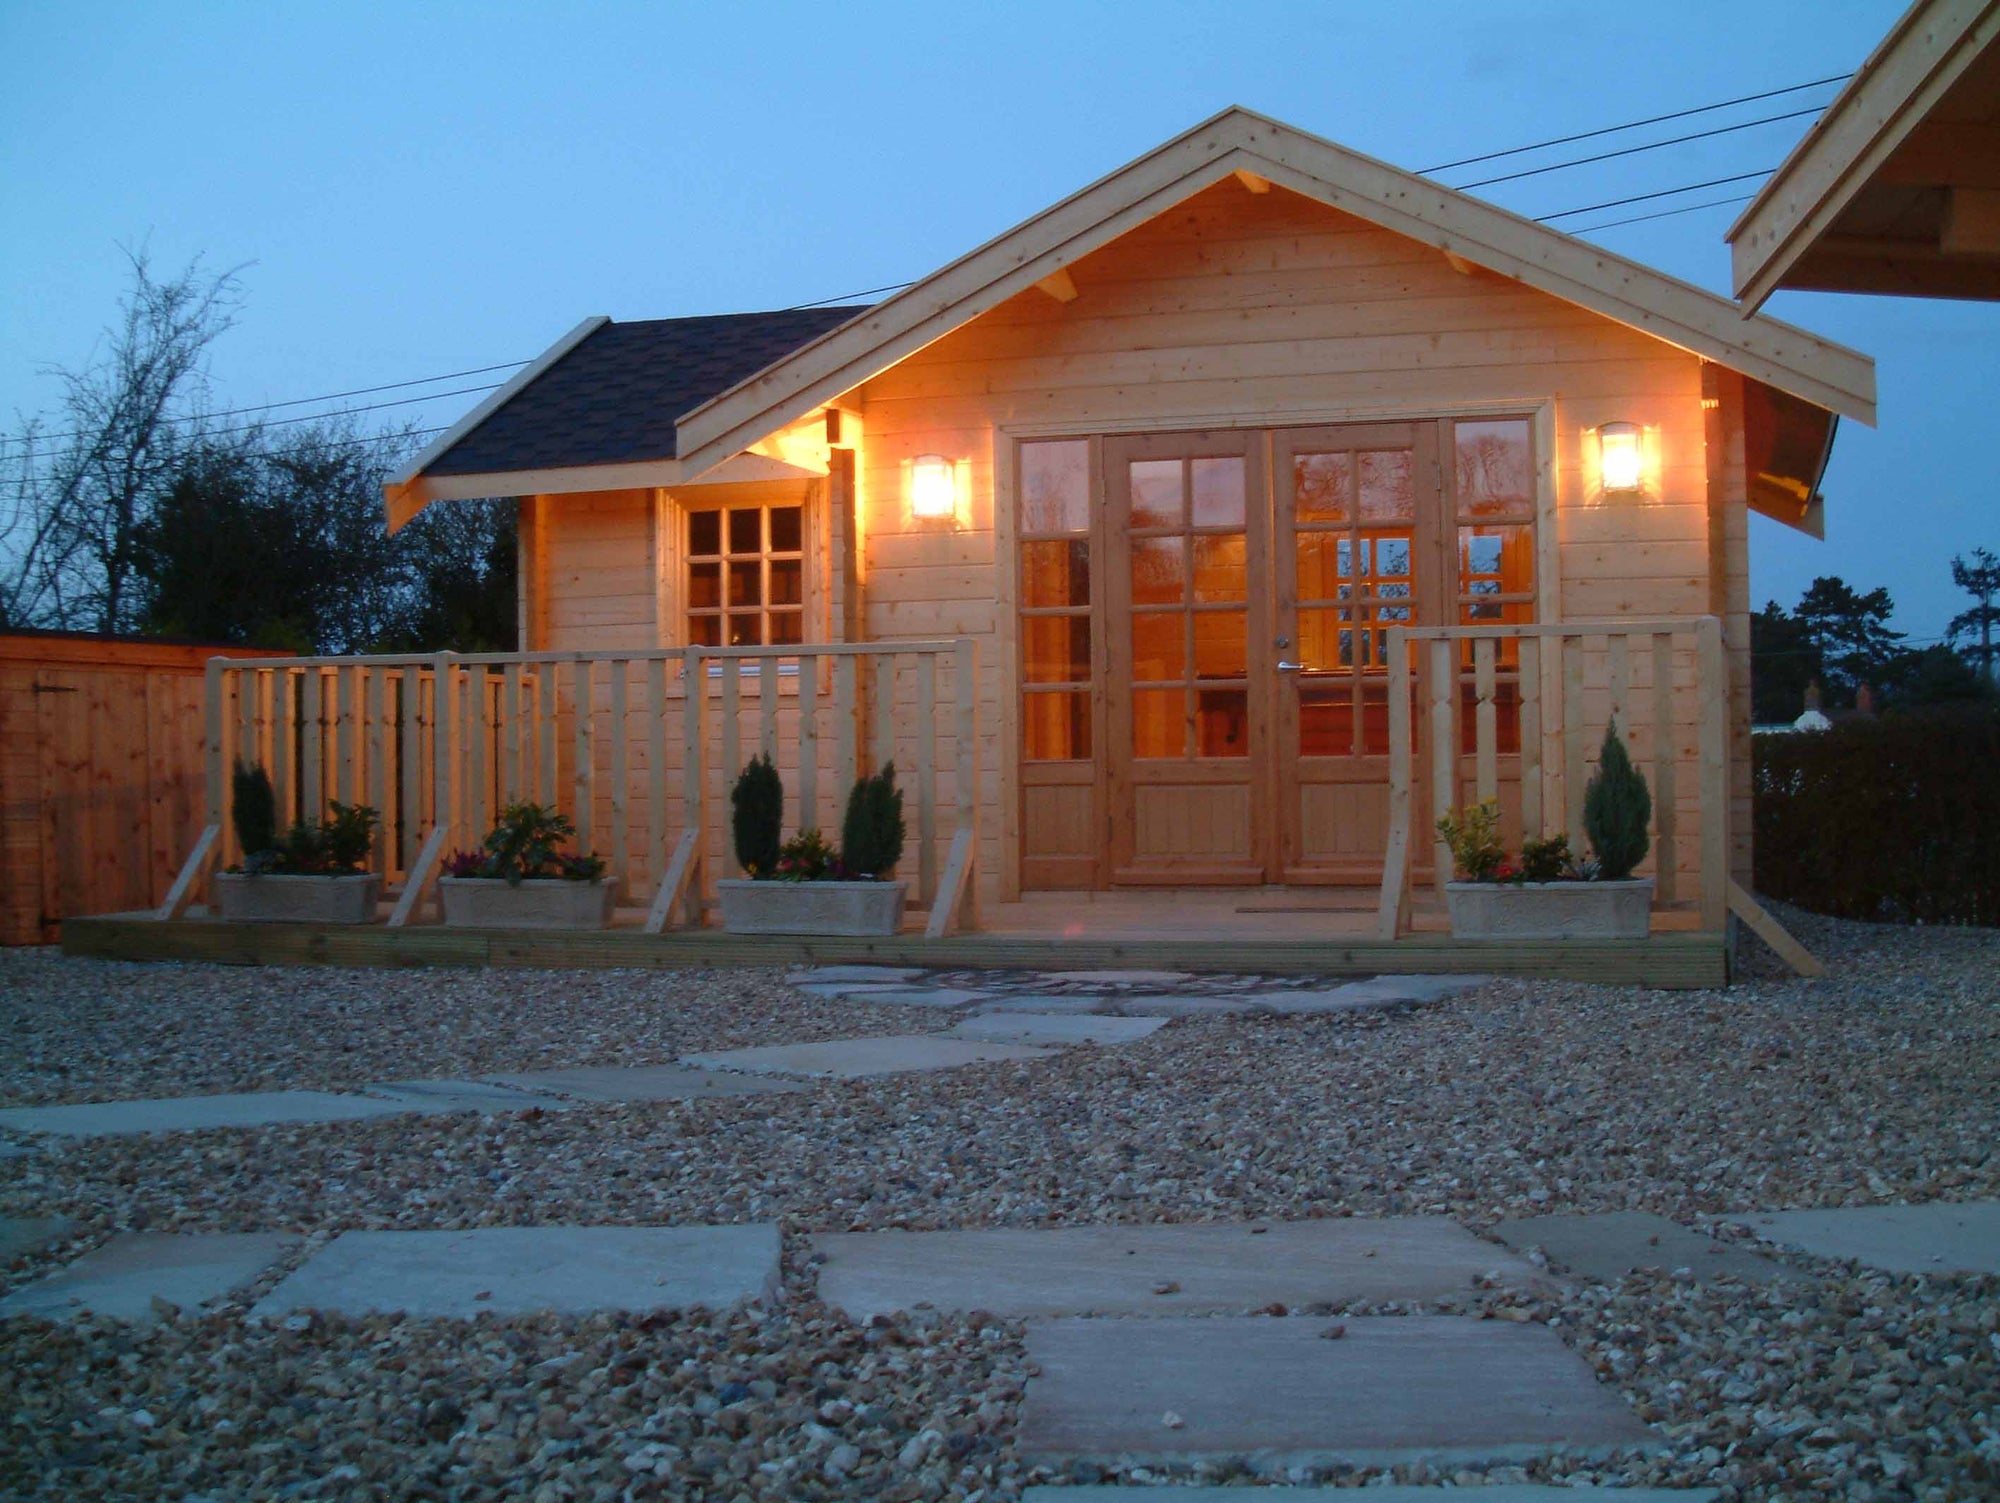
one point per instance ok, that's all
(1241, 141)
(1896, 188)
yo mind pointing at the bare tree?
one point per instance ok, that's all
(72, 501)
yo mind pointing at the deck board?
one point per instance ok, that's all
(1109, 935)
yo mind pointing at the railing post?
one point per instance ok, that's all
(926, 750)
(1444, 754)
(732, 745)
(583, 775)
(1711, 674)
(1572, 735)
(621, 841)
(957, 899)
(1531, 737)
(682, 880)
(656, 770)
(1485, 720)
(1666, 860)
(808, 741)
(208, 844)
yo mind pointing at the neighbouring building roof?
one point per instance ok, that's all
(613, 395)
(1896, 188)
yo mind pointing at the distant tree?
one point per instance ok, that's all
(459, 563)
(72, 501)
(1783, 662)
(1851, 634)
(1981, 580)
(1935, 675)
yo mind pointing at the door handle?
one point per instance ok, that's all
(1284, 667)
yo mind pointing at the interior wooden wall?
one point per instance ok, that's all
(102, 761)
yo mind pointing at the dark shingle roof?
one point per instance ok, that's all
(614, 398)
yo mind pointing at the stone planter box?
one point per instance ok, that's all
(1550, 910)
(537, 903)
(271, 899)
(842, 909)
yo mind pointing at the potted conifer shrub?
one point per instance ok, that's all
(521, 878)
(805, 886)
(1548, 893)
(314, 873)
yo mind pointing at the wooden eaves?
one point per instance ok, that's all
(1239, 141)
(1920, 120)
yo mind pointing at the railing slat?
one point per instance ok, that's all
(1620, 711)
(444, 762)
(345, 786)
(1711, 677)
(732, 750)
(548, 698)
(409, 808)
(767, 709)
(1444, 754)
(375, 728)
(510, 734)
(957, 902)
(882, 747)
(478, 747)
(284, 746)
(846, 722)
(926, 750)
(621, 838)
(584, 773)
(1393, 904)
(1666, 859)
(656, 769)
(312, 732)
(1486, 721)
(809, 741)
(1531, 737)
(682, 880)
(1572, 733)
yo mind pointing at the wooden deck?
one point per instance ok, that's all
(1244, 930)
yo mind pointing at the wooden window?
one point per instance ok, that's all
(1055, 601)
(1494, 490)
(745, 576)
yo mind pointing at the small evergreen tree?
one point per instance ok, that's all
(253, 810)
(757, 815)
(1616, 808)
(871, 836)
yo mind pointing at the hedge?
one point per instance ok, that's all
(1895, 818)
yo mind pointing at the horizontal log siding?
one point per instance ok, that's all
(1239, 309)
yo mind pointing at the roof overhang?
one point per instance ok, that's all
(1239, 141)
(405, 499)
(1896, 188)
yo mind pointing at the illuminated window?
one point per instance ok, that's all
(745, 576)
(1055, 601)
(1495, 562)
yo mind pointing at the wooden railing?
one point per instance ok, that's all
(638, 748)
(1664, 683)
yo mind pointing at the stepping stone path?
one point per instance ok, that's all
(513, 1270)
(1279, 1393)
(25, 1234)
(1162, 1269)
(132, 1276)
(647, 1083)
(1607, 1246)
(1054, 1028)
(1942, 1237)
(856, 1059)
(100, 1119)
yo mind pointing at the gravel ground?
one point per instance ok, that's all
(104, 1030)
(1879, 1084)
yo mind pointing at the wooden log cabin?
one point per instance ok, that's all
(1212, 529)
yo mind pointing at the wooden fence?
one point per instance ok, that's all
(638, 748)
(101, 760)
(1663, 683)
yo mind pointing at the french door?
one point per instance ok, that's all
(1207, 702)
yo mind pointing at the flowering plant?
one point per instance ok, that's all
(806, 857)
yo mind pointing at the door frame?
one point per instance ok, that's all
(1539, 408)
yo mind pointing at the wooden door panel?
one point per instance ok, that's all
(1188, 661)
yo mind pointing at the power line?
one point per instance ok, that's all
(1610, 130)
(312, 417)
(1713, 203)
(864, 292)
(1639, 198)
(1606, 156)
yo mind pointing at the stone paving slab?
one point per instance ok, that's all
(1194, 1005)
(25, 1234)
(1278, 1393)
(1054, 1028)
(1505, 1492)
(1607, 1246)
(1416, 988)
(829, 974)
(1119, 978)
(1203, 1267)
(917, 996)
(513, 1270)
(1942, 1237)
(1036, 1002)
(461, 1096)
(122, 1278)
(641, 1083)
(99, 1119)
(854, 1059)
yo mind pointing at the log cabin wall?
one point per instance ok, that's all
(1264, 310)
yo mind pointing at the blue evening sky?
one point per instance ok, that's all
(416, 189)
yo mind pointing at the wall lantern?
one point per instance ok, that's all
(1621, 458)
(933, 487)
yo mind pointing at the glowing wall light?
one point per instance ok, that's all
(933, 487)
(1621, 458)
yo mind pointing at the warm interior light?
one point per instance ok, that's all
(933, 487)
(1621, 464)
